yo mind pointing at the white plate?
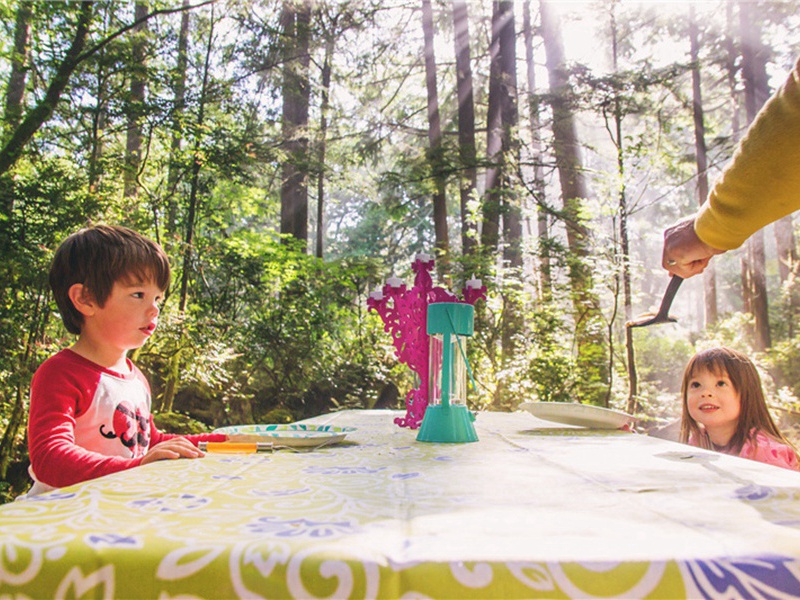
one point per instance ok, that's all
(583, 415)
(293, 435)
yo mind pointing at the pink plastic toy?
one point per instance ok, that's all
(404, 313)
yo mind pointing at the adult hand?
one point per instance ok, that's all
(177, 447)
(684, 253)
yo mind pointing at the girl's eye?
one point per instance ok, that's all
(721, 383)
(138, 294)
(694, 384)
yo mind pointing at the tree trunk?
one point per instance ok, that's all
(15, 92)
(99, 117)
(624, 239)
(544, 283)
(511, 212)
(756, 93)
(179, 106)
(787, 269)
(467, 152)
(510, 207)
(322, 142)
(138, 71)
(295, 25)
(592, 348)
(490, 234)
(709, 277)
(173, 369)
(435, 150)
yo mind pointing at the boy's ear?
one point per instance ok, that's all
(82, 299)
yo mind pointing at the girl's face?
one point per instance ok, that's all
(714, 403)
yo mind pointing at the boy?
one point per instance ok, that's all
(90, 406)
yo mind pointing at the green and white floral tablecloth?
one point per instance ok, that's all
(531, 510)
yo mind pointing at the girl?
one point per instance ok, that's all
(724, 409)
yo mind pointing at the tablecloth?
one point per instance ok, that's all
(531, 510)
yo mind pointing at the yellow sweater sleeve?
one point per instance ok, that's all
(761, 184)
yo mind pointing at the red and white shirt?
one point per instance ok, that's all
(86, 421)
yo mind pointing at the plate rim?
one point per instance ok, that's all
(288, 434)
(622, 418)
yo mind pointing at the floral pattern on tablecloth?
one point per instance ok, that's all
(530, 510)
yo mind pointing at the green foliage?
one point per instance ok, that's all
(661, 360)
(173, 422)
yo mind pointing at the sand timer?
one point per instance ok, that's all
(447, 418)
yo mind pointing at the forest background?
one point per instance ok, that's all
(290, 155)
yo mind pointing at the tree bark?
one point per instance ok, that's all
(624, 238)
(511, 211)
(138, 71)
(435, 150)
(467, 151)
(544, 283)
(295, 25)
(709, 277)
(322, 142)
(756, 93)
(177, 136)
(15, 92)
(173, 369)
(592, 348)
(490, 233)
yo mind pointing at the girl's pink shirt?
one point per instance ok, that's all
(764, 449)
(769, 451)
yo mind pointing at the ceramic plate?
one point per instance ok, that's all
(582, 415)
(294, 435)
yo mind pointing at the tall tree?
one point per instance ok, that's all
(177, 133)
(135, 109)
(467, 151)
(435, 149)
(709, 277)
(296, 30)
(490, 233)
(192, 209)
(511, 211)
(618, 115)
(544, 280)
(592, 348)
(325, 85)
(756, 88)
(15, 91)
(501, 138)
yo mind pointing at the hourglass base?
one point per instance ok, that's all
(447, 424)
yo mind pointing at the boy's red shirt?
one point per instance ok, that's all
(86, 421)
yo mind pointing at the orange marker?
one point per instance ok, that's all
(235, 447)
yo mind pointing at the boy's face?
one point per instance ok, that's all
(129, 315)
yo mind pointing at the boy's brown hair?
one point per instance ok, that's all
(98, 257)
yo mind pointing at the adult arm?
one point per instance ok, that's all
(760, 185)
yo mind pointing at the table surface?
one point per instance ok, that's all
(533, 509)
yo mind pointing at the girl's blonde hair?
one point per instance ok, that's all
(745, 380)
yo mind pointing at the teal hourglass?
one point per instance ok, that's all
(447, 418)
